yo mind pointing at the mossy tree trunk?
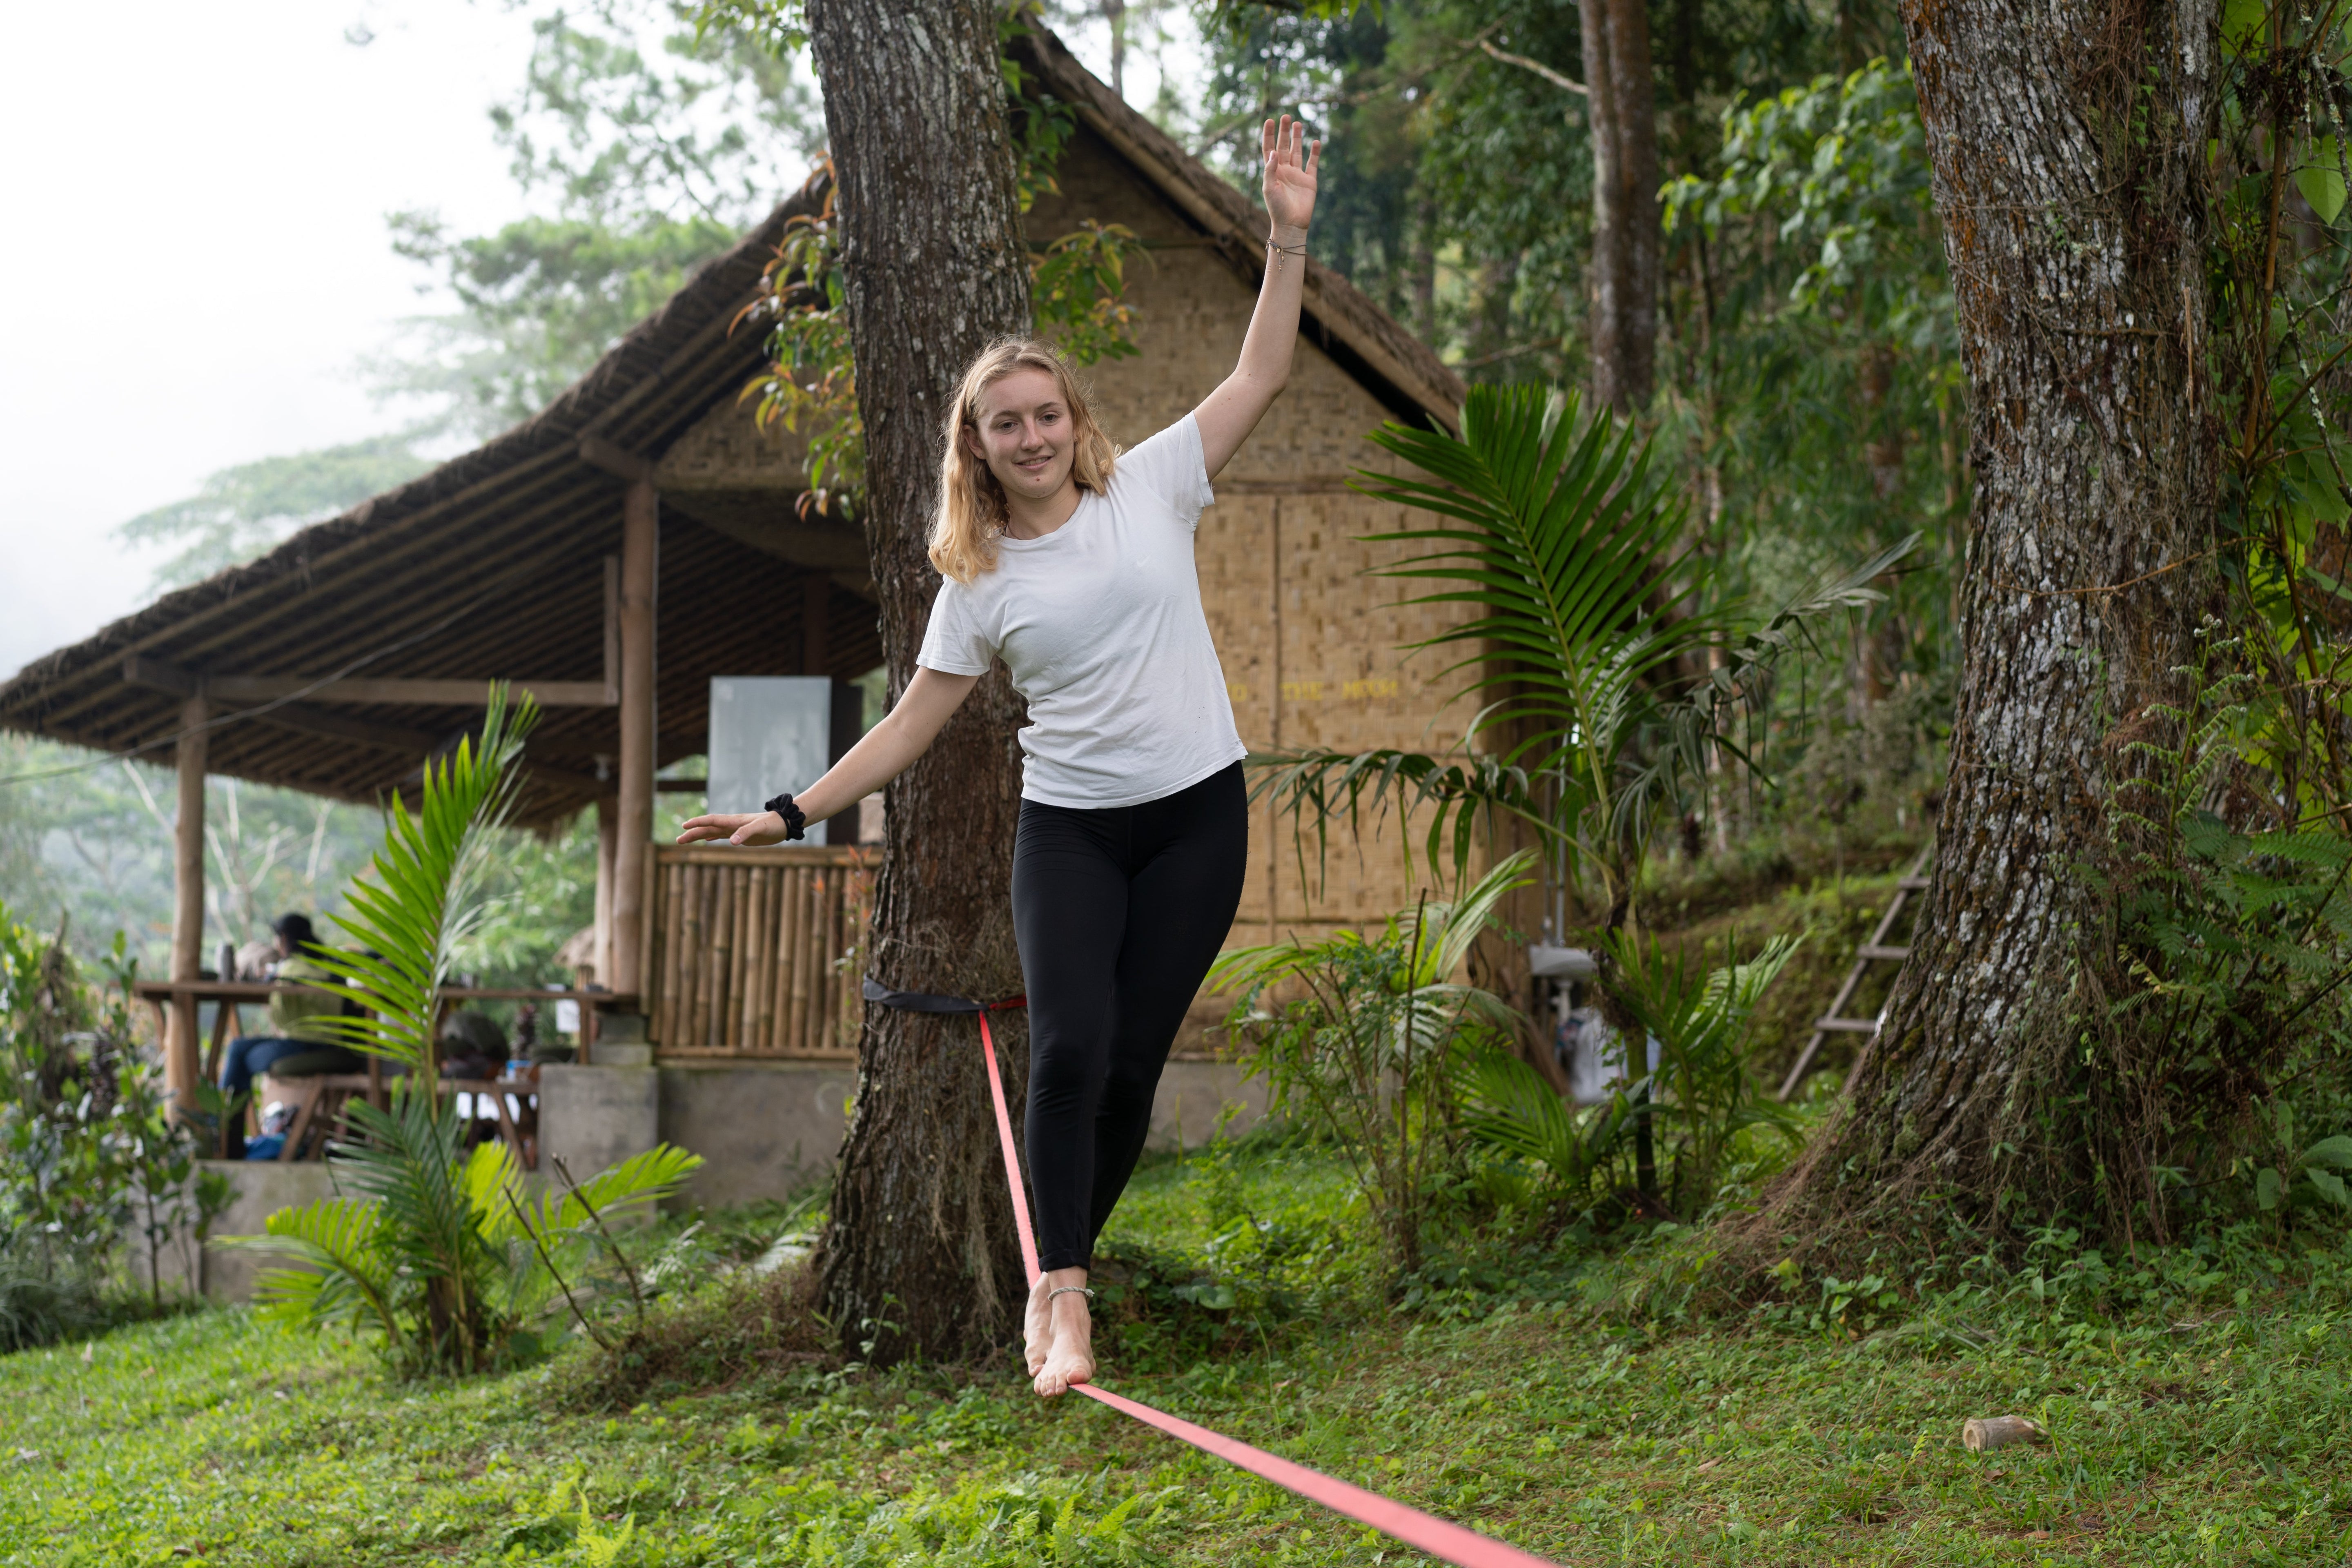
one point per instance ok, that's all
(920, 1255)
(2068, 143)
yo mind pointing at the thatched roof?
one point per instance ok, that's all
(493, 564)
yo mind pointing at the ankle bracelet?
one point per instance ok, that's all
(1066, 1290)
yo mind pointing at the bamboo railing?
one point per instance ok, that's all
(746, 950)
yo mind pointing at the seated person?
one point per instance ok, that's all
(296, 1025)
(472, 1045)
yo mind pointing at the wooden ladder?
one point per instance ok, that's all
(1874, 951)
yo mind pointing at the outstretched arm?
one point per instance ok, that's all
(1228, 415)
(888, 750)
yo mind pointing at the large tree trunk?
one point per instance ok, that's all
(920, 1255)
(1620, 97)
(2074, 217)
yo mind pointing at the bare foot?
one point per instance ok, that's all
(1037, 1326)
(1072, 1359)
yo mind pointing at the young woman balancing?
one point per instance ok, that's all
(1073, 563)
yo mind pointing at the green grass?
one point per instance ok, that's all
(2200, 1410)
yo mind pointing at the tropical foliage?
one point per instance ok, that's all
(1599, 704)
(97, 1173)
(438, 1250)
(1363, 1036)
(1696, 1098)
(427, 893)
(444, 1256)
(1704, 1091)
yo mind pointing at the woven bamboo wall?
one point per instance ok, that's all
(747, 947)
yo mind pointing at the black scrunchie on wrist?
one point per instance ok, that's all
(796, 819)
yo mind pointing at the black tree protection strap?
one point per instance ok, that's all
(924, 1002)
(1438, 1537)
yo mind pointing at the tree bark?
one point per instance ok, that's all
(2074, 218)
(920, 1256)
(1625, 222)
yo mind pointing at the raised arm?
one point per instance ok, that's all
(888, 750)
(1228, 415)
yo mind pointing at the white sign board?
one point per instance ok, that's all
(769, 733)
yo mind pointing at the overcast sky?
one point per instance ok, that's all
(199, 255)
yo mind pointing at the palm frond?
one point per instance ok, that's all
(1566, 544)
(422, 894)
(344, 1276)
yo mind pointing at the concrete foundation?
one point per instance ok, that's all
(764, 1130)
(592, 1116)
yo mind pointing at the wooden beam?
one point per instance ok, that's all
(632, 844)
(141, 669)
(598, 453)
(180, 1058)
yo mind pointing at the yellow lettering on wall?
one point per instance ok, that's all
(1302, 691)
(1370, 688)
(1236, 692)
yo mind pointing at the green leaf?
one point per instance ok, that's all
(2331, 1186)
(2267, 1184)
(2335, 1152)
(2244, 23)
(2321, 180)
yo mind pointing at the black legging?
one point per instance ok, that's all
(1119, 913)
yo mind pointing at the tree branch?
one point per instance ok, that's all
(1538, 67)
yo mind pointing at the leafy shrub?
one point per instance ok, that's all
(1703, 1094)
(94, 1157)
(44, 1298)
(2232, 944)
(1367, 1055)
(1706, 1091)
(440, 1253)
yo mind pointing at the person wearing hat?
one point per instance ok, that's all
(296, 1023)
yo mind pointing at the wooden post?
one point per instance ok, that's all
(608, 834)
(180, 1062)
(640, 515)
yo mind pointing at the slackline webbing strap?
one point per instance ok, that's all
(1440, 1537)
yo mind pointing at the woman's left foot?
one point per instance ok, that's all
(1072, 1359)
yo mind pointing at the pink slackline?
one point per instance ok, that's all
(1439, 1537)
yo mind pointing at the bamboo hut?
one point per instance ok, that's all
(640, 536)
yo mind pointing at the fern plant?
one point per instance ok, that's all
(440, 1252)
(422, 894)
(1363, 1048)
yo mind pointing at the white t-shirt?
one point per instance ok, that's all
(1100, 624)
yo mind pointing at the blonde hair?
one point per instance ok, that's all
(972, 511)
